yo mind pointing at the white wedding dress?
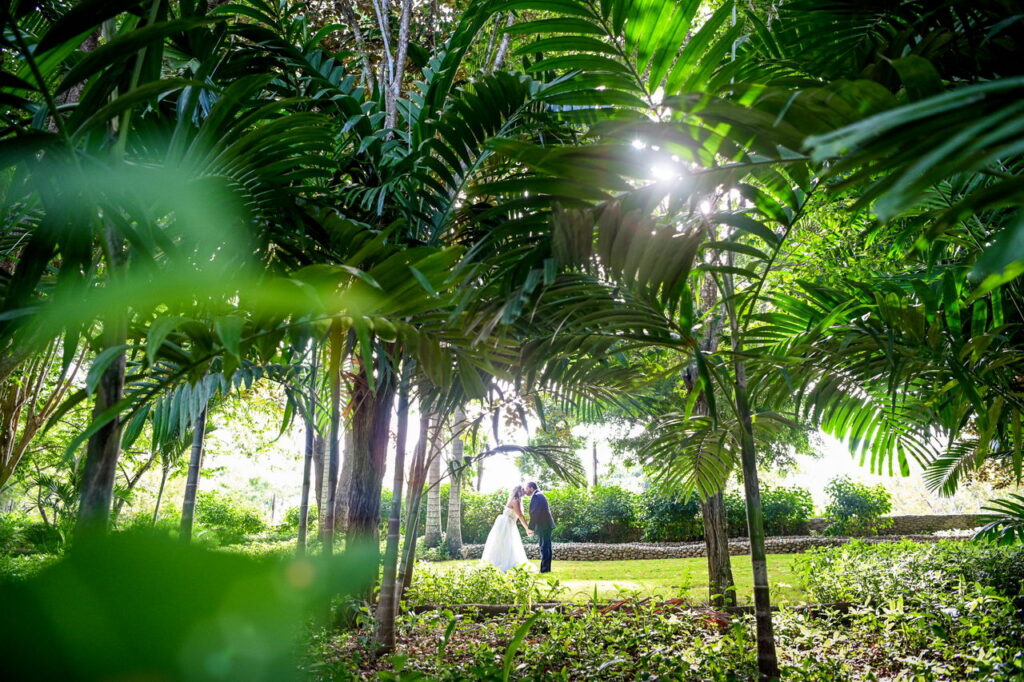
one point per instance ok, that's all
(504, 546)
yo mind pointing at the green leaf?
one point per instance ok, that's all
(513, 646)
(229, 329)
(100, 364)
(158, 332)
(83, 18)
(1003, 261)
(919, 77)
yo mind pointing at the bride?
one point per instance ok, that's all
(504, 546)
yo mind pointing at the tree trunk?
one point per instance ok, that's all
(104, 447)
(334, 380)
(417, 474)
(188, 507)
(387, 606)
(371, 419)
(767, 658)
(479, 473)
(594, 452)
(307, 460)
(433, 530)
(401, 52)
(454, 537)
(319, 480)
(164, 472)
(344, 490)
(721, 586)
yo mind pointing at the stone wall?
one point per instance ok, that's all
(916, 525)
(592, 551)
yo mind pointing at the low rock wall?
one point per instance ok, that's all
(592, 551)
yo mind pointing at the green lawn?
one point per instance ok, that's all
(665, 578)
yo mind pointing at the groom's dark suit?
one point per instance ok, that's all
(542, 523)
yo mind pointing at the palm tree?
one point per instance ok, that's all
(456, 470)
(433, 534)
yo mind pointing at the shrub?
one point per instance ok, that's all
(13, 567)
(47, 538)
(856, 508)
(291, 519)
(911, 571)
(669, 518)
(614, 511)
(478, 513)
(229, 519)
(569, 507)
(12, 531)
(786, 510)
(483, 584)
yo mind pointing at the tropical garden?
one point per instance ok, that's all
(401, 231)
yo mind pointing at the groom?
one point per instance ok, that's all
(542, 523)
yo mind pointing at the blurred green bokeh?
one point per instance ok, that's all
(148, 608)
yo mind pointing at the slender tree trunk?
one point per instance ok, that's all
(417, 475)
(334, 380)
(454, 536)
(307, 460)
(594, 453)
(344, 486)
(188, 507)
(721, 586)
(499, 58)
(387, 606)
(767, 658)
(104, 447)
(433, 531)
(320, 481)
(130, 483)
(401, 51)
(371, 420)
(164, 472)
(479, 473)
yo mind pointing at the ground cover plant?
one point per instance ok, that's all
(942, 611)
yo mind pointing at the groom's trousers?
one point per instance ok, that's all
(544, 539)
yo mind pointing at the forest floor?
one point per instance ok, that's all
(665, 578)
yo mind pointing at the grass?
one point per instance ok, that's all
(665, 578)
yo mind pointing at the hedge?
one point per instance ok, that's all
(613, 514)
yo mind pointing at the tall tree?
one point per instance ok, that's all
(433, 528)
(457, 467)
(195, 463)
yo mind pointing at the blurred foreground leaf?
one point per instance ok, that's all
(148, 608)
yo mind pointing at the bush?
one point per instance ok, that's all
(291, 519)
(612, 514)
(483, 584)
(786, 510)
(478, 513)
(668, 518)
(614, 511)
(14, 567)
(228, 519)
(569, 507)
(12, 532)
(47, 538)
(911, 571)
(856, 508)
